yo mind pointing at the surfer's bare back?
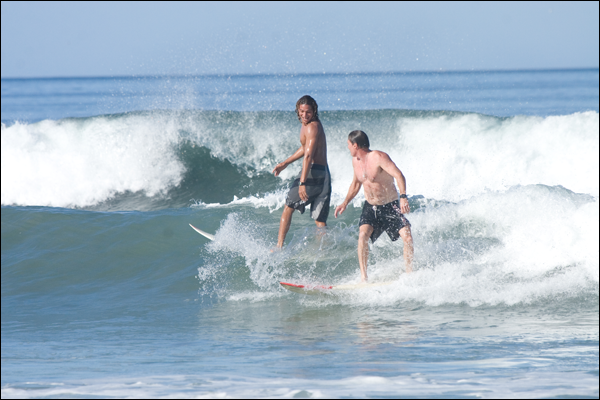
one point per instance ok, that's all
(313, 187)
(383, 210)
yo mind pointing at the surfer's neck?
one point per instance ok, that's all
(362, 154)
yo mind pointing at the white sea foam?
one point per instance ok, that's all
(523, 245)
(454, 158)
(532, 384)
(85, 161)
(273, 201)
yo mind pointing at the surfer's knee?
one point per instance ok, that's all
(365, 232)
(287, 212)
(406, 235)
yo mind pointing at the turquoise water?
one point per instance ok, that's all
(106, 290)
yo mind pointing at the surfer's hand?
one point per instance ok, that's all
(302, 193)
(404, 207)
(339, 209)
(279, 167)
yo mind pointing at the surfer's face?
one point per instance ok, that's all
(306, 113)
(353, 147)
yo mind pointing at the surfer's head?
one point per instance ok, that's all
(360, 139)
(307, 100)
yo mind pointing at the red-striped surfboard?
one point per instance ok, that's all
(320, 289)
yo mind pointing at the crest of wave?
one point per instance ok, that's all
(453, 158)
(80, 162)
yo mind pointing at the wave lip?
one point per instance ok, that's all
(80, 162)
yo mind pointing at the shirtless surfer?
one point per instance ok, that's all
(313, 187)
(383, 209)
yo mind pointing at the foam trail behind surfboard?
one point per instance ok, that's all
(205, 234)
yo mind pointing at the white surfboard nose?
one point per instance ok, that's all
(205, 234)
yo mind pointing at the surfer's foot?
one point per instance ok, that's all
(276, 249)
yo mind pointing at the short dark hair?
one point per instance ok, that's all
(311, 102)
(360, 138)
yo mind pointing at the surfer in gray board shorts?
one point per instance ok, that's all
(318, 190)
(384, 209)
(313, 186)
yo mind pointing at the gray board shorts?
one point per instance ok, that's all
(318, 189)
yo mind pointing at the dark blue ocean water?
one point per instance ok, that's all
(107, 291)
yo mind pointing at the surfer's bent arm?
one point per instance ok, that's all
(352, 192)
(296, 156)
(390, 167)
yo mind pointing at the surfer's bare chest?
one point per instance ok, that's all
(365, 172)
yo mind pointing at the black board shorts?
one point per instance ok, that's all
(318, 189)
(385, 218)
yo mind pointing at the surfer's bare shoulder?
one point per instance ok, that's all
(379, 158)
(313, 128)
(310, 130)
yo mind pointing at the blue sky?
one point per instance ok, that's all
(53, 39)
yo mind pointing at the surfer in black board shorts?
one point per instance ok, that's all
(384, 209)
(313, 186)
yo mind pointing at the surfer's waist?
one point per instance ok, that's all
(316, 176)
(386, 205)
(319, 167)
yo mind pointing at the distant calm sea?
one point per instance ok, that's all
(107, 292)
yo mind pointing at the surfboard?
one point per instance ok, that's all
(205, 234)
(323, 289)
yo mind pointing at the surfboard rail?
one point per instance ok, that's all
(320, 289)
(305, 289)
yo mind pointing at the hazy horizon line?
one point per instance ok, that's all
(212, 75)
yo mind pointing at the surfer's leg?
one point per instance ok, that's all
(319, 206)
(409, 250)
(364, 234)
(321, 231)
(284, 225)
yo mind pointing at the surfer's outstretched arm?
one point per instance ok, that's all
(352, 192)
(298, 154)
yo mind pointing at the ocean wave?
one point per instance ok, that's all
(162, 159)
(524, 245)
(528, 244)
